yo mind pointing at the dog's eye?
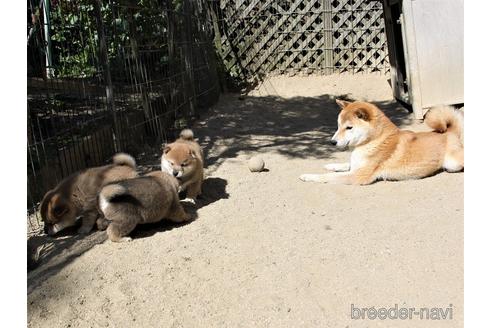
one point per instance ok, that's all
(348, 128)
(184, 164)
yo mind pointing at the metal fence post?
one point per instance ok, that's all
(188, 56)
(47, 36)
(104, 62)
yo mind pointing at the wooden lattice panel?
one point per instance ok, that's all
(263, 36)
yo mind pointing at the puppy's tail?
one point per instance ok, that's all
(111, 191)
(445, 119)
(124, 159)
(186, 134)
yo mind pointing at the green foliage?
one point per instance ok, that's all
(75, 39)
(72, 36)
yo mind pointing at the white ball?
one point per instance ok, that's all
(256, 164)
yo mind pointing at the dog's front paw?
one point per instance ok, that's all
(189, 200)
(330, 167)
(84, 229)
(308, 177)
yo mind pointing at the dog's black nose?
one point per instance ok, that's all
(175, 173)
(333, 142)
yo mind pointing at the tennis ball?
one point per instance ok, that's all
(256, 164)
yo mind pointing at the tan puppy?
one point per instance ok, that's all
(382, 151)
(145, 199)
(184, 160)
(77, 194)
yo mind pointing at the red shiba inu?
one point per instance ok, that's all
(381, 151)
(184, 160)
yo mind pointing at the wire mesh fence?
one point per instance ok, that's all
(111, 76)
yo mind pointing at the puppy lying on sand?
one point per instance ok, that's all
(77, 194)
(145, 199)
(382, 151)
(184, 160)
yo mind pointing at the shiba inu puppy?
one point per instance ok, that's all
(183, 159)
(381, 151)
(76, 195)
(146, 199)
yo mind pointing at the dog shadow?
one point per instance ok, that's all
(150, 229)
(214, 189)
(48, 255)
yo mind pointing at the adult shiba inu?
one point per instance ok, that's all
(382, 151)
(184, 160)
(77, 194)
(146, 199)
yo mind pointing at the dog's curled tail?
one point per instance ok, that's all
(110, 192)
(444, 119)
(124, 159)
(186, 134)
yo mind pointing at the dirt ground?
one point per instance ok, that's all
(268, 250)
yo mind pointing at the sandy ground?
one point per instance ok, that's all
(267, 249)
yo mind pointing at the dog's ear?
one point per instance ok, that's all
(192, 153)
(59, 210)
(342, 103)
(58, 205)
(166, 148)
(43, 207)
(362, 114)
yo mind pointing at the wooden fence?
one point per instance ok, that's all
(256, 37)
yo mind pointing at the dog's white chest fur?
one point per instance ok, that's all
(166, 166)
(357, 159)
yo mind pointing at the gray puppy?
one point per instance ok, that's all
(146, 199)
